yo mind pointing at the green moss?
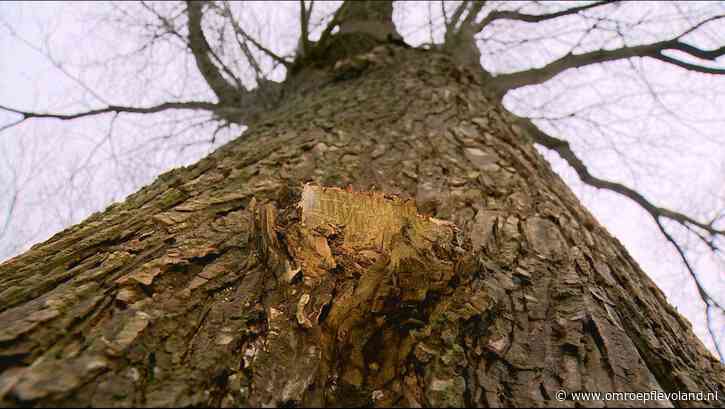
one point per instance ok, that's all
(170, 198)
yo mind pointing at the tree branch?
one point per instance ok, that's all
(706, 298)
(473, 13)
(453, 22)
(506, 82)
(305, 26)
(166, 24)
(533, 76)
(25, 115)
(324, 37)
(563, 148)
(534, 18)
(711, 331)
(689, 66)
(700, 24)
(238, 29)
(225, 92)
(710, 55)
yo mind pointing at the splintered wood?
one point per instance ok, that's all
(370, 219)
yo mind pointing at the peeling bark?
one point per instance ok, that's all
(390, 239)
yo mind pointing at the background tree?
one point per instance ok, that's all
(335, 47)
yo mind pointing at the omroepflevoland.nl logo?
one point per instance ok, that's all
(562, 395)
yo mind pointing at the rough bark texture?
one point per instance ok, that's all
(456, 270)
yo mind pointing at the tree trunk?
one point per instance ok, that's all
(241, 280)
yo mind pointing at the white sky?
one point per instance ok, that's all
(670, 148)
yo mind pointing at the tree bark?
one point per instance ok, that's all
(390, 238)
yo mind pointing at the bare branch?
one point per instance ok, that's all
(237, 81)
(710, 55)
(700, 24)
(533, 76)
(473, 13)
(689, 66)
(324, 37)
(305, 15)
(563, 148)
(25, 115)
(225, 92)
(706, 298)
(711, 331)
(11, 124)
(451, 25)
(166, 23)
(534, 18)
(238, 29)
(249, 56)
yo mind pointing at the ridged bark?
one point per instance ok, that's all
(450, 267)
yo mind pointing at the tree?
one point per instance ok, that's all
(292, 267)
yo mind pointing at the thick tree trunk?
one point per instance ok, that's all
(232, 282)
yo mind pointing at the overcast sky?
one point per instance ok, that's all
(54, 174)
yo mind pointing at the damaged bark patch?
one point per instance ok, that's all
(373, 266)
(371, 219)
